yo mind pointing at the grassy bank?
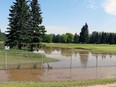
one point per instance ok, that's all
(21, 56)
(98, 48)
(58, 84)
(17, 56)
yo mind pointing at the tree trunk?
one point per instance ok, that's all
(19, 46)
(31, 47)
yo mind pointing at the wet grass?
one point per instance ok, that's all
(97, 48)
(58, 84)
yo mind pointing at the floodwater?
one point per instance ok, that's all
(73, 64)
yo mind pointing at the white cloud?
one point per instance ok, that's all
(58, 29)
(92, 4)
(110, 6)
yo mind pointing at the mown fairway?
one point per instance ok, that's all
(98, 48)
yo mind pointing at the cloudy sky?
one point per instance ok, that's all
(61, 16)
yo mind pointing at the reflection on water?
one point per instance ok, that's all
(47, 50)
(74, 64)
(83, 58)
(77, 64)
(79, 74)
(58, 74)
(67, 52)
(80, 58)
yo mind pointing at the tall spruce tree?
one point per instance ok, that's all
(37, 30)
(84, 34)
(18, 24)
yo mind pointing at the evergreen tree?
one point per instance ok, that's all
(58, 38)
(54, 37)
(103, 38)
(84, 34)
(76, 38)
(18, 22)
(94, 37)
(107, 38)
(37, 30)
(111, 38)
(115, 38)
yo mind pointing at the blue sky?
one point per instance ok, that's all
(61, 16)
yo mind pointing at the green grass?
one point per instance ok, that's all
(17, 56)
(1, 45)
(21, 56)
(98, 48)
(58, 84)
(24, 59)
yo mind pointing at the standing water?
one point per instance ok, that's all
(73, 64)
(77, 64)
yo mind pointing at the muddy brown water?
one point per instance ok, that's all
(73, 64)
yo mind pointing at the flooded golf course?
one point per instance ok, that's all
(73, 64)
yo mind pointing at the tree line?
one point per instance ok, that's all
(26, 29)
(25, 25)
(83, 37)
